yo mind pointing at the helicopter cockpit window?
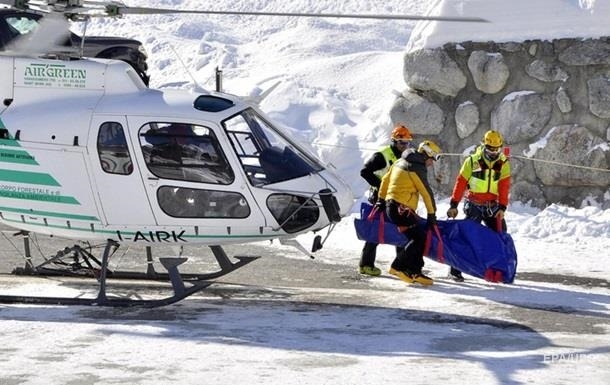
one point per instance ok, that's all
(112, 149)
(266, 154)
(184, 152)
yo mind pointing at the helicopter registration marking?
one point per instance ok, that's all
(153, 236)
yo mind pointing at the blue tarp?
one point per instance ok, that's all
(466, 245)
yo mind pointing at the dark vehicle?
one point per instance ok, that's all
(14, 23)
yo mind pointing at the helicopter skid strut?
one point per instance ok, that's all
(99, 270)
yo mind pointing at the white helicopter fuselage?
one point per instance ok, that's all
(88, 152)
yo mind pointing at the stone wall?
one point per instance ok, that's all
(549, 99)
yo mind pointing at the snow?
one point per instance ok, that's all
(337, 80)
(515, 20)
(514, 95)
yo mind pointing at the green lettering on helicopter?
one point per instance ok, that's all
(16, 156)
(54, 71)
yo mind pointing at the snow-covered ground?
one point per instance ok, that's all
(552, 326)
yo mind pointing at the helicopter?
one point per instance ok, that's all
(89, 152)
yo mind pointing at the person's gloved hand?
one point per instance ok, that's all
(380, 205)
(452, 212)
(500, 212)
(431, 220)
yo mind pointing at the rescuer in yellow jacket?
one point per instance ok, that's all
(486, 176)
(399, 194)
(373, 170)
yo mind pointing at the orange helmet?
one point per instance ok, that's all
(401, 133)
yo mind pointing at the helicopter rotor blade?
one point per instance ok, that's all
(124, 10)
(78, 9)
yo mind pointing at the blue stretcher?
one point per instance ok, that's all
(464, 244)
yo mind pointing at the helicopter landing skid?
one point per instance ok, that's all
(84, 264)
(100, 271)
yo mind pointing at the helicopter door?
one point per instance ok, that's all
(282, 176)
(188, 177)
(119, 187)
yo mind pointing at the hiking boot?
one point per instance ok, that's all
(409, 277)
(422, 279)
(456, 275)
(402, 275)
(370, 270)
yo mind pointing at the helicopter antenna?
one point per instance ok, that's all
(82, 41)
(218, 79)
(198, 87)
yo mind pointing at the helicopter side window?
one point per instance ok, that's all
(183, 202)
(184, 152)
(112, 149)
(266, 154)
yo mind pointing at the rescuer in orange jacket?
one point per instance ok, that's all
(486, 176)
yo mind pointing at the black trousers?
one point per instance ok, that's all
(369, 253)
(413, 257)
(485, 214)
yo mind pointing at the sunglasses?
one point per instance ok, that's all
(403, 142)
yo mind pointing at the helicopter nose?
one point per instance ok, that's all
(342, 193)
(346, 200)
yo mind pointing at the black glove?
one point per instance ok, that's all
(373, 195)
(380, 205)
(431, 220)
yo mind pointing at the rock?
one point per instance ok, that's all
(521, 116)
(420, 115)
(586, 52)
(527, 193)
(572, 145)
(563, 100)
(489, 71)
(466, 119)
(599, 96)
(546, 72)
(433, 70)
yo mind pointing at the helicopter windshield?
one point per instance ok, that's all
(266, 154)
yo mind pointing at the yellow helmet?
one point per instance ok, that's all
(493, 139)
(430, 148)
(401, 133)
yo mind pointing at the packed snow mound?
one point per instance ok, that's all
(515, 20)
